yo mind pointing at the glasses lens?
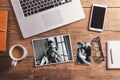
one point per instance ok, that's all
(95, 44)
(98, 54)
(98, 57)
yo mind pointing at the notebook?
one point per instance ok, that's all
(113, 54)
(3, 29)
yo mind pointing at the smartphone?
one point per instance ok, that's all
(97, 17)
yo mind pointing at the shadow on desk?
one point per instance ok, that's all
(5, 62)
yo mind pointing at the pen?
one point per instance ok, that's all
(111, 56)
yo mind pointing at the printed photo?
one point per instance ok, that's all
(83, 53)
(52, 50)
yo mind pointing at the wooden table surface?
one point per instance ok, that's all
(25, 69)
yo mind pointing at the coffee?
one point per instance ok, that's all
(17, 52)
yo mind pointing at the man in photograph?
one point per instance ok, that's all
(52, 55)
(52, 50)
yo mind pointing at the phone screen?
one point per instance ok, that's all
(98, 17)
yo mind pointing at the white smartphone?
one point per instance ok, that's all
(97, 17)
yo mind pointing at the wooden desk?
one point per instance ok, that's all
(25, 70)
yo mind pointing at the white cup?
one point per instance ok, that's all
(15, 60)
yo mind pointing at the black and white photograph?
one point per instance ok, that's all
(83, 53)
(52, 50)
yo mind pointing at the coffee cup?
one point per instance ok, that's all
(17, 52)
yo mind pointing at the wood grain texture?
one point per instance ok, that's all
(25, 69)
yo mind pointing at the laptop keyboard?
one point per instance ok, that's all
(31, 7)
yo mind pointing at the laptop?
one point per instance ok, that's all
(38, 16)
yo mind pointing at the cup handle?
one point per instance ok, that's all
(14, 63)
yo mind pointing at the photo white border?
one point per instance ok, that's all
(57, 62)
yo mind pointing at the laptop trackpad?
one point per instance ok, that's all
(51, 19)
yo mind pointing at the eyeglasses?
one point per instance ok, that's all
(97, 50)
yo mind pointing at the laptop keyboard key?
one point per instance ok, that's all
(31, 7)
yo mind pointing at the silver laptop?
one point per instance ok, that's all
(38, 16)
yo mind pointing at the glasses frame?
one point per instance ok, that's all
(101, 57)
